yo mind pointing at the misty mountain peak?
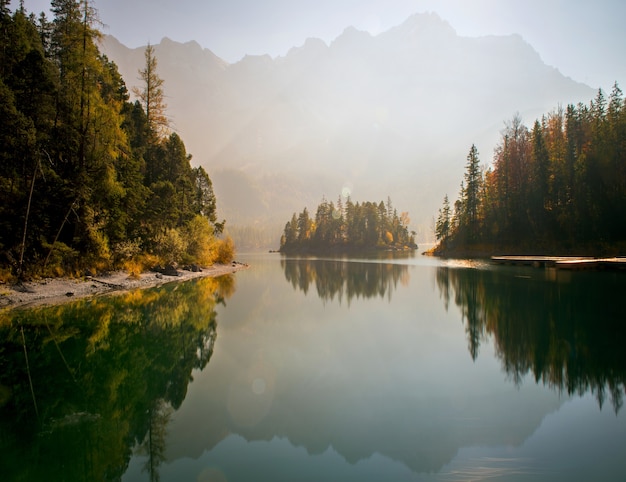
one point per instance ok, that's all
(312, 47)
(190, 51)
(263, 62)
(352, 37)
(424, 26)
(168, 42)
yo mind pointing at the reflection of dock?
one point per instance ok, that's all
(562, 262)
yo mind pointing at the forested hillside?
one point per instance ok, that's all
(348, 226)
(88, 180)
(559, 187)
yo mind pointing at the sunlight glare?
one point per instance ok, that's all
(346, 190)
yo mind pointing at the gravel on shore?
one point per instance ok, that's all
(54, 291)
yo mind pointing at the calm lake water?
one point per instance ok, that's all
(405, 369)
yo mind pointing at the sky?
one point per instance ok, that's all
(584, 39)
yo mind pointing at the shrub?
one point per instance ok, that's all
(98, 257)
(6, 276)
(126, 250)
(170, 246)
(61, 260)
(139, 264)
(201, 243)
(133, 267)
(225, 250)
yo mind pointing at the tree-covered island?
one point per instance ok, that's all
(558, 188)
(89, 180)
(348, 227)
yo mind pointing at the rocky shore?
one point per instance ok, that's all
(52, 291)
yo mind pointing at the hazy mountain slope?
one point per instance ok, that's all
(393, 114)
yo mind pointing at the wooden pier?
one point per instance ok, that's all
(562, 262)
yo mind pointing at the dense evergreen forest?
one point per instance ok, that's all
(558, 188)
(348, 227)
(89, 180)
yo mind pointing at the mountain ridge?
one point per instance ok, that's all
(389, 114)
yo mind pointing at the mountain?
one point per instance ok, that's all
(388, 115)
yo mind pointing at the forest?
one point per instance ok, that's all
(90, 181)
(348, 226)
(556, 188)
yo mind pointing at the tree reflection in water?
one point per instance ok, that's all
(342, 279)
(106, 374)
(567, 329)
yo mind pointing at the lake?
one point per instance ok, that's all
(393, 368)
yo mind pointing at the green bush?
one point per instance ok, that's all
(170, 246)
(201, 243)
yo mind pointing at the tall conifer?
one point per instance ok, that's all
(152, 96)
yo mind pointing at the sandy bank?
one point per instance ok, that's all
(52, 291)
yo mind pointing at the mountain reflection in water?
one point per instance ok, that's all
(323, 369)
(565, 328)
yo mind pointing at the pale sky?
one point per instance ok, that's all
(584, 39)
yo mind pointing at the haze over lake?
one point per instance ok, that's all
(373, 115)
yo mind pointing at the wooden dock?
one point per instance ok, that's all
(562, 262)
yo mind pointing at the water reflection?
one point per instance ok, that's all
(306, 389)
(342, 279)
(300, 388)
(82, 384)
(567, 329)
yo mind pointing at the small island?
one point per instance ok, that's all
(348, 227)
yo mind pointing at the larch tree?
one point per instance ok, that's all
(87, 139)
(152, 96)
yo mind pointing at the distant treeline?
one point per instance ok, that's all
(348, 226)
(558, 187)
(89, 180)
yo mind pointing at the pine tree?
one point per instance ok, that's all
(540, 189)
(305, 226)
(473, 188)
(442, 227)
(205, 200)
(289, 239)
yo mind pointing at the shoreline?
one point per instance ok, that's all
(56, 291)
(487, 251)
